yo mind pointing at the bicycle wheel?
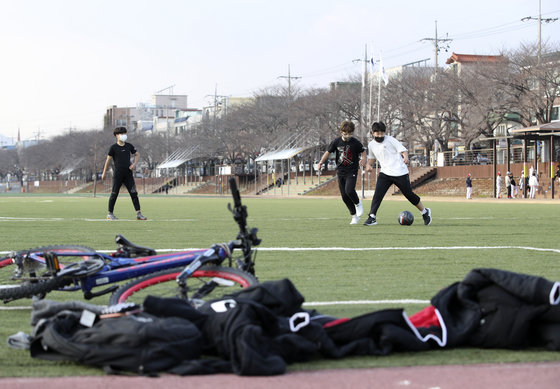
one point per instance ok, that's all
(207, 283)
(22, 276)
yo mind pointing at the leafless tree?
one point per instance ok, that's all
(8, 161)
(417, 107)
(534, 85)
(407, 107)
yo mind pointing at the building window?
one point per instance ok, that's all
(501, 130)
(554, 115)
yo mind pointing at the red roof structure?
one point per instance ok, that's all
(472, 58)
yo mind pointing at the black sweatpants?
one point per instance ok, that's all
(347, 187)
(383, 184)
(127, 179)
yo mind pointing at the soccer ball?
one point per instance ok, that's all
(406, 218)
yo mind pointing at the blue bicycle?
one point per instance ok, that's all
(194, 275)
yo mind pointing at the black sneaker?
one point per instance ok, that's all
(427, 217)
(370, 221)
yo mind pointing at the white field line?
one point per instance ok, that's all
(58, 219)
(366, 302)
(406, 248)
(529, 248)
(373, 248)
(311, 303)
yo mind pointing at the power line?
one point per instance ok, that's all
(515, 25)
(329, 70)
(504, 28)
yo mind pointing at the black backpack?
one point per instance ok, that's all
(142, 344)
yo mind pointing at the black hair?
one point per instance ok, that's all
(119, 130)
(378, 126)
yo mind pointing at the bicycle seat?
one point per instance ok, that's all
(133, 249)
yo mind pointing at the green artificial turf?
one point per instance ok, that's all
(310, 241)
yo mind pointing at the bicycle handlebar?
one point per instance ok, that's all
(245, 239)
(235, 192)
(239, 211)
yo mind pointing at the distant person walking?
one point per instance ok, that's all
(508, 185)
(533, 184)
(468, 182)
(393, 157)
(348, 152)
(120, 153)
(514, 190)
(499, 185)
(522, 183)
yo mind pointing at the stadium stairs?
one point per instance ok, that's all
(419, 176)
(425, 184)
(295, 186)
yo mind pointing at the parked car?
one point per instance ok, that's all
(415, 160)
(293, 166)
(331, 165)
(458, 160)
(481, 159)
(316, 165)
(302, 165)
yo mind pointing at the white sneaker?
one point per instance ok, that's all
(359, 209)
(355, 219)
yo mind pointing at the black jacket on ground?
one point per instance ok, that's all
(262, 329)
(494, 308)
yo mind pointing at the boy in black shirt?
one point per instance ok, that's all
(120, 154)
(348, 150)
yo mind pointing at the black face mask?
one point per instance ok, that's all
(379, 139)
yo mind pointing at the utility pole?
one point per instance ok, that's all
(363, 109)
(437, 47)
(363, 131)
(290, 78)
(363, 106)
(540, 20)
(217, 98)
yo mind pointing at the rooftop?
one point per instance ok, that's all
(472, 58)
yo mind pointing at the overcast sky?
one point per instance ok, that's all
(65, 61)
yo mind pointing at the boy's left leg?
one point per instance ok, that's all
(131, 187)
(350, 189)
(347, 200)
(403, 183)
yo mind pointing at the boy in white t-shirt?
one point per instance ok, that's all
(393, 157)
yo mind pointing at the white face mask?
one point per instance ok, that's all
(123, 137)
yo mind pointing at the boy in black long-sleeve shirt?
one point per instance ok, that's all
(120, 153)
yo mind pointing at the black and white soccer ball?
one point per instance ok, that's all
(406, 218)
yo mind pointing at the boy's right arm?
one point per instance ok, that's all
(107, 161)
(323, 159)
